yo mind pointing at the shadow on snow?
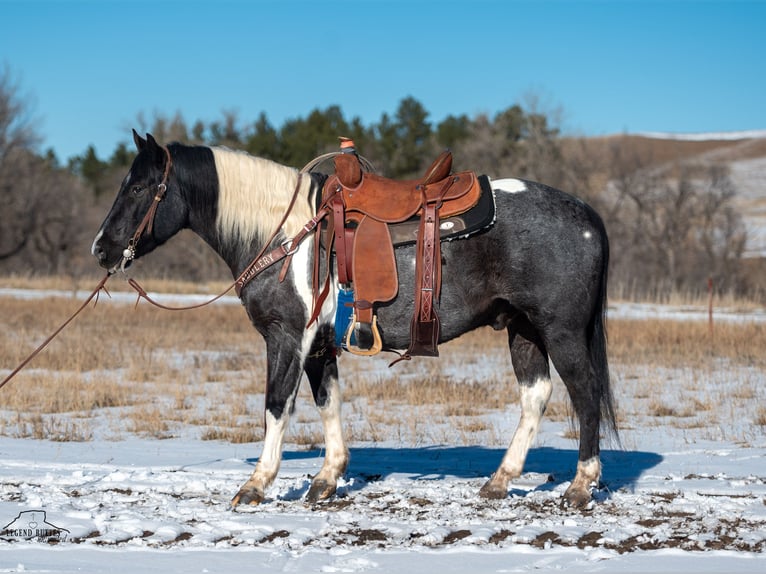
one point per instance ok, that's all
(621, 469)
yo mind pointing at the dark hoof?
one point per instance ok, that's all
(320, 490)
(578, 499)
(247, 495)
(492, 491)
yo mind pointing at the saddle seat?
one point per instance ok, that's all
(394, 201)
(362, 206)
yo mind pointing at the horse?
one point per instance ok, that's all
(539, 273)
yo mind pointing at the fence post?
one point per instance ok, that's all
(710, 306)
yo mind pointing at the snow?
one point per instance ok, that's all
(705, 136)
(685, 498)
(163, 506)
(620, 310)
(748, 176)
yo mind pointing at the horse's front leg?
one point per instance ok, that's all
(322, 370)
(284, 366)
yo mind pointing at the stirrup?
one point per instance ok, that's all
(377, 343)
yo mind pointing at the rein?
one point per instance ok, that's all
(25, 362)
(261, 261)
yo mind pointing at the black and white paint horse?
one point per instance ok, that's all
(539, 273)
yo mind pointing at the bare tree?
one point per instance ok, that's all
(541, 155)
(672, 227)
(40, 200)
(17, 136)
(164, 128)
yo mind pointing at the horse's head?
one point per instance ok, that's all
(148, 209)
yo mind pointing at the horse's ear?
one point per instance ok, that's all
(152, 143)
(157, 151)
(139, 141)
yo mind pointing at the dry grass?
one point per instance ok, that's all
(685, 343)
(456, 397)
(149, 372)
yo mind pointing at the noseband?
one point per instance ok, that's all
(147, 223)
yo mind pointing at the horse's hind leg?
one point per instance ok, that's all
(570, 356)
(530, 363)
(322, 370)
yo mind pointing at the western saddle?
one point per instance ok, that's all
(361, 206)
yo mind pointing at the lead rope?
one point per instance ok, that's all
(265, 261)
(25, 362)
(259, 263)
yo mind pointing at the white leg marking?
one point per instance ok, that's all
(588, 473)
(534, 399)
(336, 459)
(268, 464)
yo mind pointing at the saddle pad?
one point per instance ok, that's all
(479, 217)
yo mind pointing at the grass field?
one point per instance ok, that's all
(118, 371)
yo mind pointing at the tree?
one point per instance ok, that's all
(264, 140)
(226, 132)
(122, 157)
(672, 227)
(412, 135)
(387, 140)
(17, 137)
(89, 167)
(541, 154)
(301, 140)
(492, 145)
(451, 130)
(41, 201)
(164, 129)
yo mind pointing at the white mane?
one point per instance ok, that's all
(254, 194)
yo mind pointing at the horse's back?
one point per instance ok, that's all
(545, 256)
(547, 251)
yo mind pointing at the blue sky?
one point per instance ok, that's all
(89, 68)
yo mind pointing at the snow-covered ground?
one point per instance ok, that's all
(685, 497)
(162, 506)
(705, 136)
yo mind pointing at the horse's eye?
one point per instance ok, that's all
(137, 190)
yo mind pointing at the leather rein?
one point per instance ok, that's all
(261, 262)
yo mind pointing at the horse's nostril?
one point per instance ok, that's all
(96, 248)
(99, 252)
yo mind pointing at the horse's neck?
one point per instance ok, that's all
(253, 196)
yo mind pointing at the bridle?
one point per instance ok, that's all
(262, 261)
(147, 223)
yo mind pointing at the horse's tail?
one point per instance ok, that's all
(598, 346)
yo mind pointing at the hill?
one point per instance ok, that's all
(744, 153)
